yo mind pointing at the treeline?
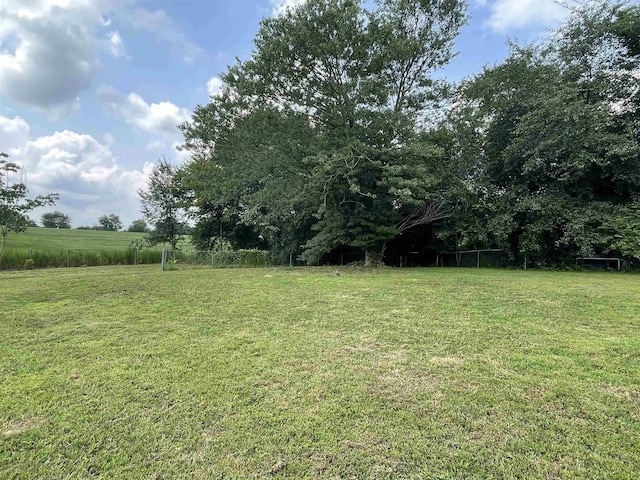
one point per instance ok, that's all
(335, 134)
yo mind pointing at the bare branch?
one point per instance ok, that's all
(424, 215)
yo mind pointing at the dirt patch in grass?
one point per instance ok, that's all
(621, 392)
(20, 426)
(447, 361)
(405, 386)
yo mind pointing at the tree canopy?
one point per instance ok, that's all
(14, 203)
(335, 133)
(55, 219)
(161, 205)
(110, 222)
(139, 225)
(314, 142)
(554, 135)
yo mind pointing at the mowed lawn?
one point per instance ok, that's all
(127, 372)
(53, 239)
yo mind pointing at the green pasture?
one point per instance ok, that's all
(128, 372)
(53, 240)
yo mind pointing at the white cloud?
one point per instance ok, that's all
(83, 171)
(14, 134)
(166, 31)
(116, 45)
(162, 117)
(515, 14)
(48, 50)
(281, 6)
(214, 86)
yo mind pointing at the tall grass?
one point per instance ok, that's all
(235, 258)
(21, 259)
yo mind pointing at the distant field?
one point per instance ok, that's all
(127, 372)
(52, 239)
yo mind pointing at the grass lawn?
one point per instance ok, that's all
(53, 239)
(127, 372)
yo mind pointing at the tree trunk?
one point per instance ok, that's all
(2, 242)
(373, 259)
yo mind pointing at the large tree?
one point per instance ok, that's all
(161, 205)
(314, 139)
(55, 219)
(14, 204)
(556, 138)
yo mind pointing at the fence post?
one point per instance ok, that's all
(212, 258)
(291, 259)
(164, 259)
(135, 256)
(478, 258)
(68, 259)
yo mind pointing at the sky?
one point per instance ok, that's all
(92, 91)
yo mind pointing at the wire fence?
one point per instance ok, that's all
(232, 258)
(489, 258)
(35, 259)
(30, 259)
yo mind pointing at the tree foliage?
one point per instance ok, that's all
(139, 225)
(333, 135)
(14, 203)
(55, 219)
(314, 142)
(554, 132)
(161, 205)
(110, 222)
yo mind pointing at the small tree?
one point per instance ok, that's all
(161, 204)
(14, 204)
(55, 219)
(139, 226)
(110, 222)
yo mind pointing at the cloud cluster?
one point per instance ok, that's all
(517, 14)
(14, 133)
(81, 169)
(162, 117)
(48, 48)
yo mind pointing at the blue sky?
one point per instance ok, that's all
(91, 91)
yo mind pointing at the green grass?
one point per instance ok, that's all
(50, 247)
(127, 372)
(54, 240)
